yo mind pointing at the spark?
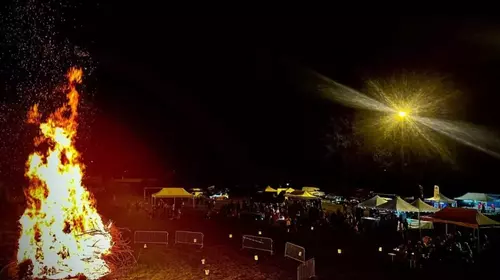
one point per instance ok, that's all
(35, 57)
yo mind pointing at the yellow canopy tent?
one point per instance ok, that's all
(172, 193)
(424, 207)
(286, 190)
(310, 189)
(300, 195)
(418, 224)
(269, 189)
(331, 207)
(398, 204)
(373, 202)
(196, 192)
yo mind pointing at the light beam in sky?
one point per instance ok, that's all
(409, 113)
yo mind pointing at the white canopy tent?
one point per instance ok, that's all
(482, 197)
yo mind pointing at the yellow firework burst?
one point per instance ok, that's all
(396, 127)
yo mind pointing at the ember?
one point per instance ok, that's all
(62, 235)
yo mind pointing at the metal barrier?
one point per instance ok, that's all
(189, 237)
(258, 243)
(306, 270)
(151, 237)
(295, 252)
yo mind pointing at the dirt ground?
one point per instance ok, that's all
(360, 258)
(224, 257)
(183, 263)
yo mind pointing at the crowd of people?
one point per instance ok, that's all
(163, 209)
(454, 248)
(289, 213)
(387, 226)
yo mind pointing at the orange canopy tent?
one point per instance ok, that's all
(470, 218)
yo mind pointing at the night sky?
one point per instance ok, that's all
(221, 99)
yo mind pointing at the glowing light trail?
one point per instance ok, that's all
(416, 106)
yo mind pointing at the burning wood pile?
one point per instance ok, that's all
(61, 233)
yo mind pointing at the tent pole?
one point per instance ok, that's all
(478, 241)
(419, 226)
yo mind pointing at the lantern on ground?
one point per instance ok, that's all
(256, 258)
(207, 271)
(202, 261)
(339, 251)
(260, 232)
(230, 236)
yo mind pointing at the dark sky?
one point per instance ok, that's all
(217, 97)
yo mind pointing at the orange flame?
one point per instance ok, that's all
(61, 232)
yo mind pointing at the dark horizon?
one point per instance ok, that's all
(223, 102)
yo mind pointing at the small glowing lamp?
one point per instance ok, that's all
(230, 235)
(300, 254)
(207, 271)
(256, 258)
(194, 240)
(202, 261)
(339, 251)
(312, 228)
(402, 114)
(260, 232)
(380, 249)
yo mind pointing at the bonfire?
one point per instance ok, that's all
(62, 234)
